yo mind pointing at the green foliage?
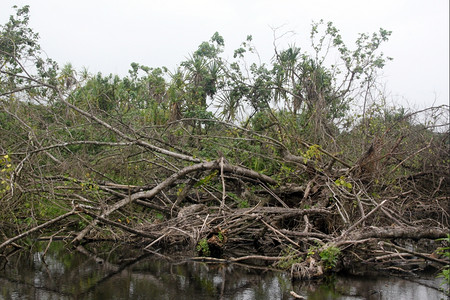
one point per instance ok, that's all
(445, 273)
(261, 121)
(19, 43)
(203, 248)
(342, 182)
(313, 153)
(312, 251)
(6, 172)
(289, 257)
(159, 216)
(329, 257)
(361, 61)
(49, 209)
(220, 236)
(287, 173)
(88, 184)
(243, 203)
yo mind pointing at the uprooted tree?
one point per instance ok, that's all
(269, 162)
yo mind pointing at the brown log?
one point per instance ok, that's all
(416, 233)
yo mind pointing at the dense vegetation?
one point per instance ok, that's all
(299, 161)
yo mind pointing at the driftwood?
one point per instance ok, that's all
(271, 230)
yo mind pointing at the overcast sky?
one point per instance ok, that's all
(107, 35)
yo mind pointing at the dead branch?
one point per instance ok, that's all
(416, 233)
(425, 256)
(363, 218)
(39, 227)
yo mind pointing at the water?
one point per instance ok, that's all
(112, 272)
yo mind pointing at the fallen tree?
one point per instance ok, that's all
(288, 186)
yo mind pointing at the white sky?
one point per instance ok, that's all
(107, 35)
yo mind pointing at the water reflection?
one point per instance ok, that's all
(105, 272)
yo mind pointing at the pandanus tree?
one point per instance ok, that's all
(286, 78)
(203, 71)
(196, 81)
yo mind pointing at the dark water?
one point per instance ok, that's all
(114, 273)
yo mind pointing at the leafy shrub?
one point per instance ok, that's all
(330, 256)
